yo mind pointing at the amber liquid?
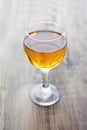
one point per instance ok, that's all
(44, 54)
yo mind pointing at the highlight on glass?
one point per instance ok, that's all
(45, 47)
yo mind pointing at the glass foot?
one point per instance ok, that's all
(45, 96)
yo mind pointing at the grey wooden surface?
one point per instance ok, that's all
(18, 76)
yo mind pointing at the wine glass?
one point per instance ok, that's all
(45, 46)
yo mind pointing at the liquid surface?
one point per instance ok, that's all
(45, 35)
(44, 54)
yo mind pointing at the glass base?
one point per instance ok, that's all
(45, 96)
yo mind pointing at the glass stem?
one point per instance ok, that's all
(45, 74)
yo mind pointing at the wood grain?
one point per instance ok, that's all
(18, 76)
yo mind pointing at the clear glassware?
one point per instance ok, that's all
(45, 46)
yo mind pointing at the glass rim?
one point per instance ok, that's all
(44, 22)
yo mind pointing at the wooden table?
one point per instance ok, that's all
(18, 76)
